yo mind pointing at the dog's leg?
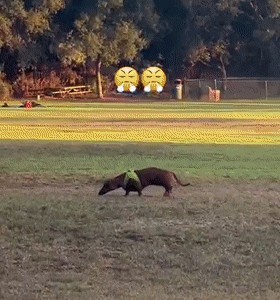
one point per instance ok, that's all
(168, 191)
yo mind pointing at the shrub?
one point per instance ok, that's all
(4, 90)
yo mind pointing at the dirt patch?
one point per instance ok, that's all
(214, 240)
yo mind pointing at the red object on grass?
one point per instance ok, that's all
(28, 104)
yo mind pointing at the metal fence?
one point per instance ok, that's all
(233, 88)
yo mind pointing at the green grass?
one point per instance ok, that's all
(216, 239)
(187, 123)
(99, 160)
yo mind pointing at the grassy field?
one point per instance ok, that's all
(104, 159)
(217, 239)
(220, 123)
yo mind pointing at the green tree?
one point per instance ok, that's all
(175, 32)
(261, 47)
(103, 37)
(239, 35)
(212, 27)
(23, 24)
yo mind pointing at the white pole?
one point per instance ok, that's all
(266, 90)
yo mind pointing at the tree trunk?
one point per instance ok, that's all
(98, 77)
(224, 73)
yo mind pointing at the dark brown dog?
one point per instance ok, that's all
(148, 176)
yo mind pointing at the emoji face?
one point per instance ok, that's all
(126, 79)
(153, 79)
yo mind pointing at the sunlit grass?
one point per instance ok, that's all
(135, 113)
(203, 123)
(172, 134)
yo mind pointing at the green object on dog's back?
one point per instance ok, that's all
(130, 174)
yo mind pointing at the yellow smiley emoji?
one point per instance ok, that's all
(153, 79)
(126, 80)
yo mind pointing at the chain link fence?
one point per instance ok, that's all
(233, 88)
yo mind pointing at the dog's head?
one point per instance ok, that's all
(108, 186)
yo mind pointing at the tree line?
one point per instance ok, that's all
(188, 38)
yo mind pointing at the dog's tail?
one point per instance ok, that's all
(180, 182)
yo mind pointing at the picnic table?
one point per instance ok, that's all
(69, 91)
